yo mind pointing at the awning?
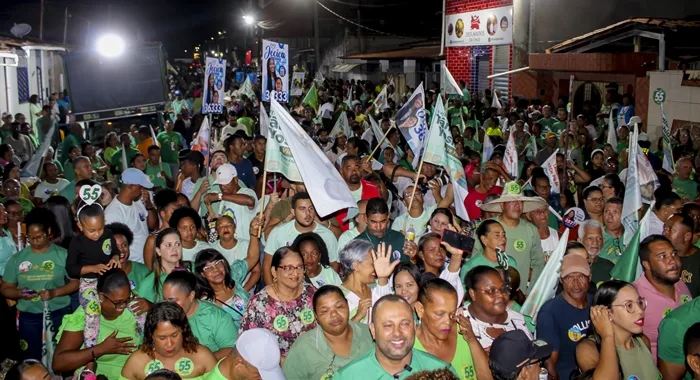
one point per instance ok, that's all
(419, 52)
(344, 68)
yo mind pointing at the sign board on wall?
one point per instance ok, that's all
(485, 27)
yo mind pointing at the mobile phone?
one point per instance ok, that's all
(28, 291)
(459, 241)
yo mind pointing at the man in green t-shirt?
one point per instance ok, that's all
(612, 233)
(685, 186)
(670, 344)
(170, 144)
(393, 357)
(74, 138)
(157, 171)
(256, 355)
(590, 234)
(547, 120)
(378, 231)
(561, 124)
(117, 159)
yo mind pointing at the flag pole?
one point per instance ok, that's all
(380, 144)
(264, 186)
(413, 193)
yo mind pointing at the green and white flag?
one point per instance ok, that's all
(278, 156)
(311, 98)
(546, 285)
(348, 100)
(633, 196)
(612, 133)
(33, 167)
(628, 267)
(668, 164)
(531, 148)
(341, 126)
(510, 157)
(247, 88)
(264, 122)
(328, 190)
(440, 151)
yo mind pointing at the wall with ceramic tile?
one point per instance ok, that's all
(682, 102)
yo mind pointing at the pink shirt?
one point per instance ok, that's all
(658, 306)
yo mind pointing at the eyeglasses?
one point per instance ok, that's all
(120, 304)
(36, 238)
(213, 265)
(505, 290)
(289, 269)
(630, 305)
(595, 200)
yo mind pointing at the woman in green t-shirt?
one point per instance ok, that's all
(36, 278)
(438, 333)
(168, 256)
(168, 343)
(117, 335)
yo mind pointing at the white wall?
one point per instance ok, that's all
(682, 102)
(53, 68)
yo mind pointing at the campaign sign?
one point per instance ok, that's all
(275, 72)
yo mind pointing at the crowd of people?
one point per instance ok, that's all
(140, 257)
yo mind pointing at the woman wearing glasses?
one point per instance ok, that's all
(117, 336)
(319, 353)
(285, 306)
(36, 278)
(618, 349)
(169, 342)
(212, 326)
(221, 282)
(488, 311)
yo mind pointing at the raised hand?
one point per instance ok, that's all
(383, 267)
(600, 316)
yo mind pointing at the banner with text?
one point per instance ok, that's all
(215, 75)
(486, 27)
(275, 72)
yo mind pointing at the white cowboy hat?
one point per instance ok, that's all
(512, 193)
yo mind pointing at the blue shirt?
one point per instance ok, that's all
(563, 326)
(246, 173)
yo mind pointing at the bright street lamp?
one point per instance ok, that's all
(248, 19)
(110, 45)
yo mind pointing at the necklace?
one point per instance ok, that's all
(279, 295)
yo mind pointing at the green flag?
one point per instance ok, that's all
(311, 98)
(626, 267)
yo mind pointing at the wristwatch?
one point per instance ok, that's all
(221, 196)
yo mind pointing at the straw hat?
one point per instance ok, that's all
(513, 193)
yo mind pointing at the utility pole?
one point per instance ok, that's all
(65, 27)
(317, 52)
(41, 21)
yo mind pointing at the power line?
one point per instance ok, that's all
(358, 25)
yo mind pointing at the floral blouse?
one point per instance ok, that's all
(287, 320)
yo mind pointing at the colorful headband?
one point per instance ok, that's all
(89, 195)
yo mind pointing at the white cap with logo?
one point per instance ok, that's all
(225, 173)
(260, 349)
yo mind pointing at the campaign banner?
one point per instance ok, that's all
(298, 84)
(492, 26)
(215, 78)
(275, 74)
(411, 122)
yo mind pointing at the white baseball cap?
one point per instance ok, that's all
(260, 349)
(225, 173)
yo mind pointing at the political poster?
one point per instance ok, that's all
(298, 83)
(214, 79)
(492, 26)
(275, 73)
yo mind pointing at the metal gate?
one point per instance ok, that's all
(501, 63)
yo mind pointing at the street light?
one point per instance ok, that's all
(248, 19)
(110, 45)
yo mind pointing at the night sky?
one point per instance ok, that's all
(181, 25)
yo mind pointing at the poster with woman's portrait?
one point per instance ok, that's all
(214, 80)
(275, 71)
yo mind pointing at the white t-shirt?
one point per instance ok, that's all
(239, 251)
(136, 217)
(550, 243)
(419, 224)
(44, 189)
(285, 233)
(189, 254)
(241, 215)
(188, 188)
(514, 321)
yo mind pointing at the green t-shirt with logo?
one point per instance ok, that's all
(462, 361)
(367, 367)
(687, 190)
(138, 273)
(117, 157)
(170, 145)
(155, 174)
(144, 289)
(109, 365)
(38, 271)
(213, 327)
(558, 126)
(612, 247)
(672, 331)
(481, 260)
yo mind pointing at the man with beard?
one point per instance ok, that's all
(351, 170)
(660, 284)
(564, 320)
(394, 357)
(323, 142)
(304, 221)
(679, 230)
(612, 234)
(591, 236)
(376, 219)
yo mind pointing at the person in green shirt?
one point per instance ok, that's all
(393, 356)
(492, 237)
(117, 336)
(68, 173)
(169, 342)
(312, 356)
(6, 129)
(212, 326)
(245, 120)
(117, 160)
(167, 257)
(378, 231)
(590, 234)
(157, 171)
(170, 144)
(671, 358)
(685, 186)
(613, 245)
(36, 277)
(691, 348)
(561, 124)
(135, 271)
(255, 356)
(74, 138)
(547, 121)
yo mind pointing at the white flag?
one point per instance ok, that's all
(612, 133)
(633, 195)
(449, 83)
(647, 180)
(668, 164)
(153, 136)
(348, 101)
(247, 88)
(341, 125)
(264, 122)
(391, 82)
(412, 123)
(550, 169)
(487, 148)
(327, 188)
(510, 157)
(33, 166)
(381, 102)
(495, 103)
(367, 135)
(378, 134)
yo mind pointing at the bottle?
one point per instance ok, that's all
(544, 374)
(410, 233)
